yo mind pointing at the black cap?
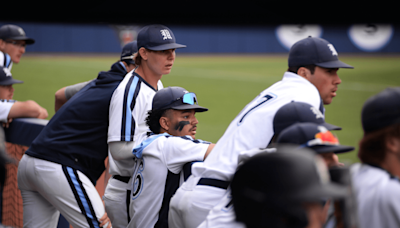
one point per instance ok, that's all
(381, 110)
(299, 112)
(157, 38)
(289, 176)
(315, 51)
(313, 136)
(13, 32)
(6, 77)
(128, 51)
(176, 98)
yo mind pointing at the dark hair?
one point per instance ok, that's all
(153, 120)
(138, 58)
(373, 145)
(296, 68)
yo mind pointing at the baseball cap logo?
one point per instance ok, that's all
(333, 50)
(7, 72)
(166, 35)
(325, 137)
(21, 31)
(317, 113)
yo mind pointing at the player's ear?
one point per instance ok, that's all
(143, 53)
(2, 44)
(392, 144)
(164, 123)
(304, 72)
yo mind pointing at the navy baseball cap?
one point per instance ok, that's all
(6, 77)
(315, 51)
(299, 112)
(313, 136)
(176, 98)
(128, 51)
(14, 32)
(290, 175)
(381, 110)
(157, 38)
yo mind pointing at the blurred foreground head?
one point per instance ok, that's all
(283, 189)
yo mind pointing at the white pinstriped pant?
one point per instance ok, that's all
(49, 188)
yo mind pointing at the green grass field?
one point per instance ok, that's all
(224, 84)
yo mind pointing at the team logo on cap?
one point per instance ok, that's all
(317, 113)
(7, 72)
(21, 31)
(333, 50)
(166, 35)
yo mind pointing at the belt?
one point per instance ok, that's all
(214, 183)
(121, 178)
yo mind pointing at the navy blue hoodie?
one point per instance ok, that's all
(76, 136)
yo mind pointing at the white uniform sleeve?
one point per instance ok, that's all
(121, 150)
(5, 107)
(178, 151)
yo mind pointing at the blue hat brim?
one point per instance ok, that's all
(334, 64)
(166, 47)
(10, 82)
(331, 127)
(197, 108)
(337, 149)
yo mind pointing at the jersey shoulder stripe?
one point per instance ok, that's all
(128, 122)
(187, 137)
(7, 101)
(6, 60)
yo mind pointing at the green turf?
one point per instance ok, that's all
(224, 84)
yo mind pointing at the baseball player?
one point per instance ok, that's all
(9, 108)
(12, 44)
(160, 157)
(128, 109)
(59, 171)
(222, 215)
(376, 178)
(317, 138)
(326, 145)
(283, 189)
(312, 78)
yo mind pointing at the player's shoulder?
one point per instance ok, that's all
(188, 138)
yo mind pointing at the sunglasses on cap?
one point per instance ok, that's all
(322, 138)
(187, 98)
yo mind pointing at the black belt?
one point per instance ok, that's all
(121, 178)
(214, 183)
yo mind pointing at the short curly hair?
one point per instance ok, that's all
(153, 120)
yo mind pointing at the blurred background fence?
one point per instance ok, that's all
(105, 38)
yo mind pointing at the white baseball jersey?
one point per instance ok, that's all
(128, 111)
(129, 106)
(252, 128)
(159, 160)
(378, 196)
(5, 107)
(5, 60)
